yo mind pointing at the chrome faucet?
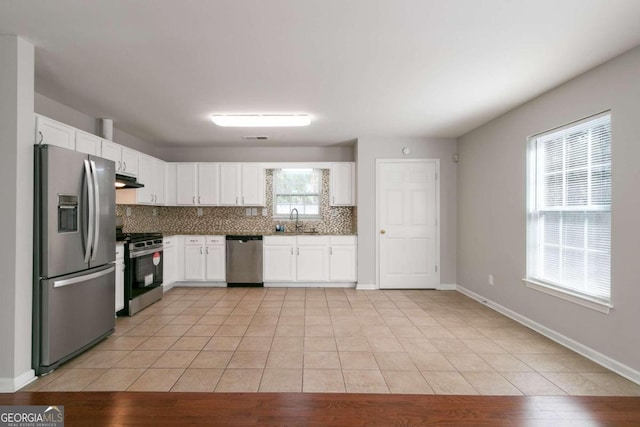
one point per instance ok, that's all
(291, 218)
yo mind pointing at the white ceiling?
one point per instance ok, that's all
(360, 68)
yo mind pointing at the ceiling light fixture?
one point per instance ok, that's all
(261, 120)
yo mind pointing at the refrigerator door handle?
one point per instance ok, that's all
(90, 233)
(66, 282)
(96, 212)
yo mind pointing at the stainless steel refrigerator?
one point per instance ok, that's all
(74, 240)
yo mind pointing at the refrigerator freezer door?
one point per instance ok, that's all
(104, 242)
(63, 214)
(77, 311)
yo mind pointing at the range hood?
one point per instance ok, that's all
(124, 181)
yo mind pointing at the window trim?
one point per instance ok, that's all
(559, 291)
(307, 217)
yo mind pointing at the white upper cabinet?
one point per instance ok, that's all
(54, 133)
(126, 159)
(170, 189)
(242, 184)
(151, 175)
(342, 184)
(159, 171)
(87, 143)
(197, 184)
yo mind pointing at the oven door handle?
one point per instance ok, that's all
(145, 252)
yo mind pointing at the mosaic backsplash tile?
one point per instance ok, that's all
(230, 220)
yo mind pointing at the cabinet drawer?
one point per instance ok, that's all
(169, 241)
(194, 240)
(342, 240)
(215, 240)
(279, 241)
(312, 240)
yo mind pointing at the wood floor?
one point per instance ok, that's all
(341, 409)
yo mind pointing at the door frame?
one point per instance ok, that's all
(377, 211)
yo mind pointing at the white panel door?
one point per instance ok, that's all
(408, 231)
(312, 264)
(208, 185)
(145, 195)
(229, 184)
(194, 263)
(186, 183)
(252, 184)
(129, 162)
(216, 265)
(112, 151)
(279, 264)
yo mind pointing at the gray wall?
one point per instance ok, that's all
(16, 174)
(370, 149)
(259, 154)
(60, 112)
(491, 206)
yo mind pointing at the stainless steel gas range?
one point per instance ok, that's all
(143, 257)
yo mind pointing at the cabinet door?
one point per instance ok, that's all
(216, 263)
(252, 184)
(194, 263)
(169, 267)
(312, 264)
(170, 184)
(112, 151)
(129, 162)
(342, 264)
(119, 286)
(186, 183)
(87, 143)
(279, 264)
(229, 184)
(158, 181)
(341, 184)
(54, 133)
(145, 195)
(208, 188)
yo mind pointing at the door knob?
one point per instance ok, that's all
(382, 231)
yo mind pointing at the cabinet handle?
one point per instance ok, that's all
(119, 165)
(291, 251)
(200, 250)
(236, 200)
(152, 198)
(199, 200)
(334, 200)
(124, 166)
(41, 137)
(243, 200)
(194, 200)
(207, 250)
(298, 251)
(330, 251)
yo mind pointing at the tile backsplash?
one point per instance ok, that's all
(228, 220)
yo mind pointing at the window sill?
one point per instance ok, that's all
(566, 295)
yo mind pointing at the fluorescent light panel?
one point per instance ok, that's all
(261, 120)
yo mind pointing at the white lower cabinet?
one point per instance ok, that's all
(309, 259)
(119, 277)
(279, 259)
(170, 263)
(205, 258)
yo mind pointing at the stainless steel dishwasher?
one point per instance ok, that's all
(244, 261)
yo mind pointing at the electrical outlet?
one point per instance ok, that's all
(247, 212)
(491, 279)
(254, 211)
(199, 212)
(154, 212)
(264, 211)
(128, 211)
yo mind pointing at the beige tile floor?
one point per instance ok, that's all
(329, 340)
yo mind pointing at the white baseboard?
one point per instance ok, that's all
(606, 361)
(11, 385)
(167, 287)
(366, 286)
(447, 287)
(309, 285)
(201, 284)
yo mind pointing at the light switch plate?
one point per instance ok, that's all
(247, 212)
(264, 211)
(199, 211)
(254, 211)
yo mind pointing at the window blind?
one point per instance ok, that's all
(570, 220)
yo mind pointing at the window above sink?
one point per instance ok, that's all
(299, 189)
